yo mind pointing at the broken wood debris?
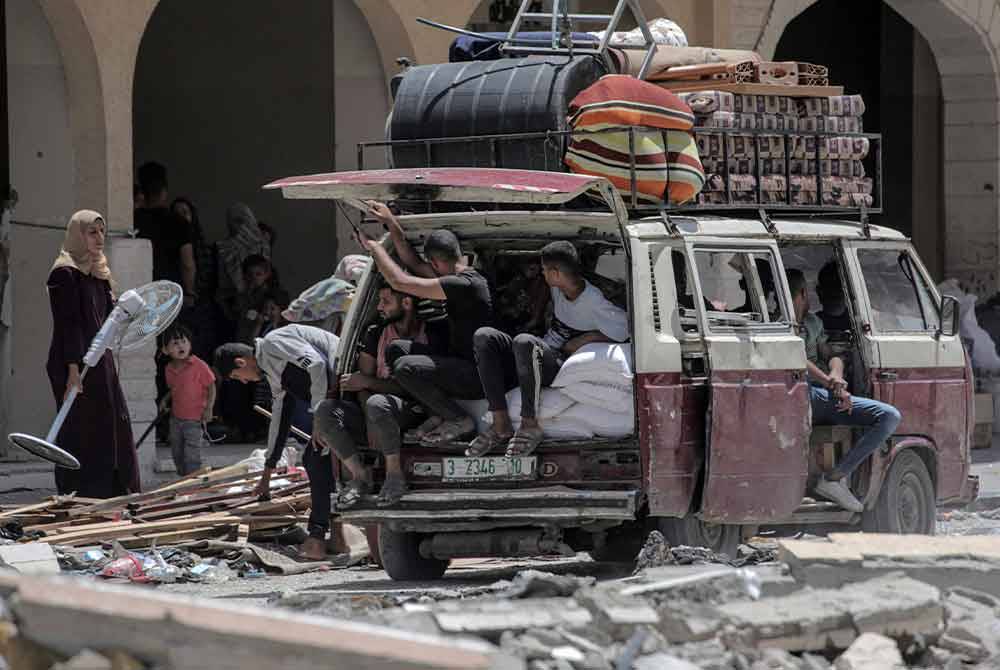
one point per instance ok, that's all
(209, 504)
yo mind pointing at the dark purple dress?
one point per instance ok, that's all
(97, 431)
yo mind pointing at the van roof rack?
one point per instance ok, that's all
(561, 25)
(488, 151)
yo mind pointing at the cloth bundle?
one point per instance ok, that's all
(591, 396)
(664, 171)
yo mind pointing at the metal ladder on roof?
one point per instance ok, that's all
(561, 23)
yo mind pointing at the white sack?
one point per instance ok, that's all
(609, 363)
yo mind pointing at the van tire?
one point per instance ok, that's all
(906, 502)
(693, 532)
(401, 559)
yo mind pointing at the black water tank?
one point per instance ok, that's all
(477, 98)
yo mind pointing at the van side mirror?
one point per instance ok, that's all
(949, 316)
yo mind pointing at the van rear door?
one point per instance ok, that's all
(758, 426)
(526, 187)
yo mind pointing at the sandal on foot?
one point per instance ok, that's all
(392, 492)
(429, 425)
(352, 494)
(487, 442)
(450, 431)
(524, 442)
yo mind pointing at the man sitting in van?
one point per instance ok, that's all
(833, 405)
(436, 377)
(383, 409)
(581, 315)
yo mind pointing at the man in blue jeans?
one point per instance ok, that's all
(833, 405)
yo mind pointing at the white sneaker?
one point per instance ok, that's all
(838, 492)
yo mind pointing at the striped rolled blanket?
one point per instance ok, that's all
(667, 166)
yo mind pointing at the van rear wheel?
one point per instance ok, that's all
(693, 532)
(906, 503)
(401, 558)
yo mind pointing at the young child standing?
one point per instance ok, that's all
(192, 391)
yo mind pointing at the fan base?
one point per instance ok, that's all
(46, 450)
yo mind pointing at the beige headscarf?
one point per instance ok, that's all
(74, 252)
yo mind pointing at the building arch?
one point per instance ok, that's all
(966, 58)
(85, 101)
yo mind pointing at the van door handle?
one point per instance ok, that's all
(888, 376)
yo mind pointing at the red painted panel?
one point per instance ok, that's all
(758, 445)
(935, 403)
(671, 439)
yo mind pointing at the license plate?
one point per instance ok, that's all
(489, 467)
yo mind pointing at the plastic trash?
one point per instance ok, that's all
(93, 555)
(211, 573)
(128, 566)
(158, 570)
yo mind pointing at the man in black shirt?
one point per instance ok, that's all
(436, 377)
(170, 235)
(173, 253)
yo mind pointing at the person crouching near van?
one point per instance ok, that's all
(383, 409)
(298, 361)
(433, 376)
(581, 315)
(833, 405)
(192, 397)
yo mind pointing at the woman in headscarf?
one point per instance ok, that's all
(245, 239)
(97, 431)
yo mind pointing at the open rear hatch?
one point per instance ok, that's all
(518, 203)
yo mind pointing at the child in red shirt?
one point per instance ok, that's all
(192, 396)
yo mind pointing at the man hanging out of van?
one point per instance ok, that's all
(581, 315)
(383, 409)
(433, 376)
(833, 405)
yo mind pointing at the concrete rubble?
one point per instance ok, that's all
(849, 602)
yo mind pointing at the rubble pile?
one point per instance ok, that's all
(854, 602)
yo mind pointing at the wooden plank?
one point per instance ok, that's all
(754, 89)
(172, 537)
(70, 615)
(106, 534)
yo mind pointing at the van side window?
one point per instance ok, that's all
(739, 289)
(899, 298)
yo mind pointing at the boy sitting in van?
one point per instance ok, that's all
(383, 410)
(581, 315)
(833, 405)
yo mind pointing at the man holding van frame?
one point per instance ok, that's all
(833, 405)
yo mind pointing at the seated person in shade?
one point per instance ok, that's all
(833, 405)
(830, 291)
(581, 315)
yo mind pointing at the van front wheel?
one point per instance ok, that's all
(693, 532)
(906, 503)
(401, 558)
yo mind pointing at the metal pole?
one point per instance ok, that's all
(64, 410)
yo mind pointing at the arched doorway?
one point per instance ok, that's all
(228, 106)
(937, 103)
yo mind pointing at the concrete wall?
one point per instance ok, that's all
(238, 106)
(41, 146)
